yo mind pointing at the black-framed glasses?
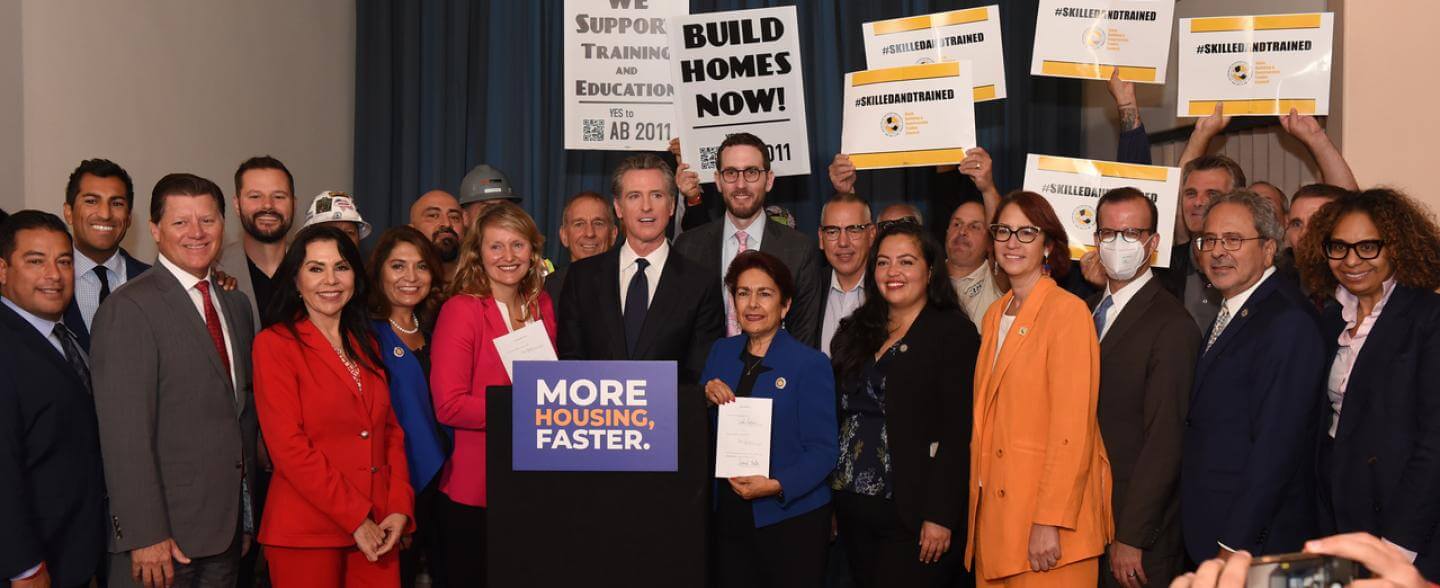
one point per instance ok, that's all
(904, 220)
(1026, 234)
(832, 232)
(1367, 249)
(1230, 242)
(1129, 235)
(730, 174)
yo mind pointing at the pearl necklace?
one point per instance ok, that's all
(404, 330)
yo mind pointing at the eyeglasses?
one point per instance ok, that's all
(730, 174)
(1231, 242)
(904, 220)
(1368, 249)
(832, 232)
(1129, 235)
(1026, 234)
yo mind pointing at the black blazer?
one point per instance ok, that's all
(1383, 474)
(1247, 474)
(800, 253)
(52, 483)
(76, 323)
(929, 391)
(684, 319)
(1173, 277)
(1147, 366)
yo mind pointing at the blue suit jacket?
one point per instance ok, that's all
(76, 323)
(410, 397)
(804, 431)
(1247, 472)
(1383, 468)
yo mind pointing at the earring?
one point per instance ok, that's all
(1046, 263)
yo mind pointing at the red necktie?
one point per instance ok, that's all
(212, 324)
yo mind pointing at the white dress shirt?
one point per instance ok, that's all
(87, 285)
(1120, 298)
(1236, 302)
(188, 282)
(839, 303)
(652, 273)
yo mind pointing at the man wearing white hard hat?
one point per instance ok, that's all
(338, 208)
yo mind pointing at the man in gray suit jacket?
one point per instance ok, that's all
(171, 359)
(1148, 345)
(265, 201)
(744, 177)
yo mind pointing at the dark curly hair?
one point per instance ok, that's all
(862, 333)
(1412, 240)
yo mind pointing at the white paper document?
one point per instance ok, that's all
(528, 343)
(742, 438)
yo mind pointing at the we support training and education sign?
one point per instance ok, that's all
(599, 416)
(618, 93)
(739, 71)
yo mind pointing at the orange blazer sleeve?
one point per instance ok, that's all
(1072, 368)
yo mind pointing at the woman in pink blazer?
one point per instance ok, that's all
(497, 288)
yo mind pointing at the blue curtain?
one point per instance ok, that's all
(443, 85)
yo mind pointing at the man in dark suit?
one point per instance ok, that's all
(641, 300)
(744, 177)
(587, 229)
(52, 484)
(1148, 345)
(1247, 476)
(99, 198)
(173, 393)
(1201, 180)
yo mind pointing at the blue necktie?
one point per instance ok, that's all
(637, 299)
(1100, 314)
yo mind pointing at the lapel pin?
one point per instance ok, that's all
(780, 383)
(399, 352)
(904, 347)
(1244, 312)
(1024, 330)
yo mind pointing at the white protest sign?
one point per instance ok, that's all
(1090, 38)
(909, 116)
(1074, 186)
(736, 72)
(618, 93)
(971, 34)
(1256, 65)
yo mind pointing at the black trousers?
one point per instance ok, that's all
(462, 542)
(883, 552)
(787, 554)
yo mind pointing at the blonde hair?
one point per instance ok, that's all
(470, 278)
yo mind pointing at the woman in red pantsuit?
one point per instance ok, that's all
(340, 498)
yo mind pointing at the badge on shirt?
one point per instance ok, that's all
(780, 383)
(399, 352)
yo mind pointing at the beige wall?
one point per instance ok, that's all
(1388, 88)
(12, 141)
(182, 85)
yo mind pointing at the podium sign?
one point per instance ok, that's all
(594, 416)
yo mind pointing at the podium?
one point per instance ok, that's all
(598, 529)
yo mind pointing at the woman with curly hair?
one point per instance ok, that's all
(1379, 252)
(497, 288)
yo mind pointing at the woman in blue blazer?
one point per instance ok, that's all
(405, 293)
(774, 531)
(1379, 460)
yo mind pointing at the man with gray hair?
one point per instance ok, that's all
(1247, 469)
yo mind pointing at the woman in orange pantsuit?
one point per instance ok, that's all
(1039, 477)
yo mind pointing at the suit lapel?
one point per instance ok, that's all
(325, 354)
(1378, 349)
(1129, 316)
(609, 295)
(228, 313)
(1017, 336)
(667, 295)
(30, 337)
(1237, 323)
(194, 327)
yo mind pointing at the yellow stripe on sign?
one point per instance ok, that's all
(901, 25)
(1078, 250)
(1092, 71)
(945, 69)
(1107, 169)
(906, 158)
(1255, 23)
(1260, 107)
(983, 93)
(959, 17)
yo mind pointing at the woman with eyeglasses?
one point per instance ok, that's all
(904, 365)
(1039, 475)
(1379, 252)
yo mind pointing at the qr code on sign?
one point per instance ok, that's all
(594, 130)
(707, 157)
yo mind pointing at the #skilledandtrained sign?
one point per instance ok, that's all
(1074, 186)
(618, 93)
(971, 34)
(1256, 65)
(909, 116)
(1088, 39)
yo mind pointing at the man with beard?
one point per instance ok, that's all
(744, 177)
(967, 243)
(587, 229)
(438, 216)
(98, 199)
(265, 199)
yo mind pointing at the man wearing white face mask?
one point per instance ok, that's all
(1148, 345)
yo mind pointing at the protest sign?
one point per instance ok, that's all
(1074, 186)
(618, 93)
(1089, 39)
(909, 116)
(1256, 65)
(971, 34)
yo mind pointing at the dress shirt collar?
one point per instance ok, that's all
(84, 265)
(656, 258)
(978, 274)
(1123, 295)
(187, 280)
(753, 233)
(1350, 304)
(836, 287)
(1236, 302)
(45, 326)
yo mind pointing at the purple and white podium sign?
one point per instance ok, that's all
(597, 416)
